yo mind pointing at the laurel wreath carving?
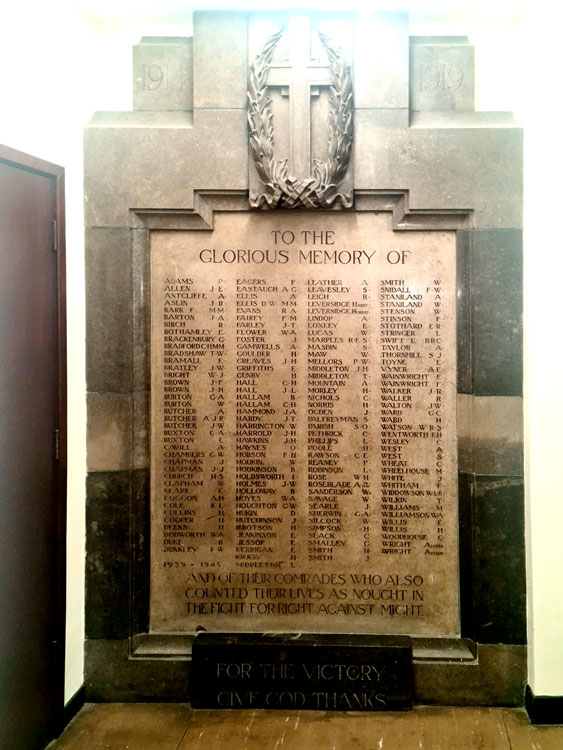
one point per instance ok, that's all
(323, 188)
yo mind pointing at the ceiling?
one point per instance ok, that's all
(180, 11)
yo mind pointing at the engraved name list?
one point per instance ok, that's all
(303, 463)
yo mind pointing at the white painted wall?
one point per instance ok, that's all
(44, 56)
(543, 360)
(61, 67)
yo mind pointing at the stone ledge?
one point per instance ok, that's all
(463, 120)
(162, 646)
(142, 119)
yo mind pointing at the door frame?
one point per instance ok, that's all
(17, 159)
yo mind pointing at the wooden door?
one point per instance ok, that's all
(32, 451)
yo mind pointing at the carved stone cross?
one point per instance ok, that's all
(294, 182)
(302, 75)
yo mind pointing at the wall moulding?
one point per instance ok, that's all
(207, 202)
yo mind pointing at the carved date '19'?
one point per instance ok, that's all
(440, 77)
(153, 77)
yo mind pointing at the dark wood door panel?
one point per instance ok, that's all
(30, 513)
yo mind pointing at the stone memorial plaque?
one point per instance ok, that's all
(303, 450)
(272, 394)
(297, 671)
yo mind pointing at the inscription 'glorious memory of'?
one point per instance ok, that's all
(303, 396)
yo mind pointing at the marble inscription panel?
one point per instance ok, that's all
(303, 437)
